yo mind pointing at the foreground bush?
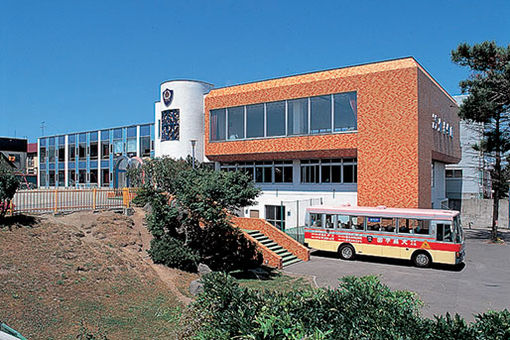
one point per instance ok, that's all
(362, 308)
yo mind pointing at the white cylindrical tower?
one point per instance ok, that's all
(180, 119)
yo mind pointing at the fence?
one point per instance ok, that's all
(61, 200)
(295, 216)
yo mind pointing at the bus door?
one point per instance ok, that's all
(329, 224)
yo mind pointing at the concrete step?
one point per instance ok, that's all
(287, 263)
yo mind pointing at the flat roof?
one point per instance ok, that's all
(382, 211)
(345, 71)
(109, 128)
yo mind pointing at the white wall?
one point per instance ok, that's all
(439, 185)
(188, 97)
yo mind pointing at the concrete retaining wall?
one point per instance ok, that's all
(477, 212)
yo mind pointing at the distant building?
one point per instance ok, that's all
(15, 150)
(470, 178)
(31, 166)
(97, 158)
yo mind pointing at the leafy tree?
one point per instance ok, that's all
(488, 103)
(8, 186)
(191, 209)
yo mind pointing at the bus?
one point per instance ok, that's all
(424, 236)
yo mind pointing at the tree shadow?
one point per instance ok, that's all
(485, 234)
(18, 221)
(260, 273)
(389, 261)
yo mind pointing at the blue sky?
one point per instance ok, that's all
(96, 64)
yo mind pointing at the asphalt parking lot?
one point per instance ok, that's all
(482, 284)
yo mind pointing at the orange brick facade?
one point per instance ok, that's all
(394, 142)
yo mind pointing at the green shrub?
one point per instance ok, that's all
(493, 325)
(362, 308)
(173, 253)
(8, 186)
(144, 195)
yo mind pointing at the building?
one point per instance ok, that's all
(15, 150)
(31, 165)
(470, 178)
(96, 158)
(373, 134)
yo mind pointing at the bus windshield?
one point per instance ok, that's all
(459, 233)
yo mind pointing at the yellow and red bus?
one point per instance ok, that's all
(423, 236)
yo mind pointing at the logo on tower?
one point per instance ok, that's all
(168, 95)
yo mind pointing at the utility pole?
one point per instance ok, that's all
(42, 128)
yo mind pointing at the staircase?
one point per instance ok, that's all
(287, 257)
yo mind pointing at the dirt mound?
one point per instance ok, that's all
(60, 270)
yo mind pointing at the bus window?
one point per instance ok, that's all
(388, 225)
(357, 222)
(316, 220)
(343, 222)
(373, 223)
(329, 222)
(423, 227)
(406, 225)
(444, 232)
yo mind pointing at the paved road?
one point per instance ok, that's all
(482, 284)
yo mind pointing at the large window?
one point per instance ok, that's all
(170, 125)
(131, 147)
(145, 146)
(346, 111)
(275, 214)
(235, 122)
(329, 171)
(263, 172)
(275, 118)
(320, 116)
(218, 124)
(255, 120)
(297, 121)
(311, 115)
(105, 149)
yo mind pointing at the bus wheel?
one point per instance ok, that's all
(422, 259)
(346, 252)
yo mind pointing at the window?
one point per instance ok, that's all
(316, 220)
(42, 179)
(255, 120)
(350, 171)
(170, 125)
(93, 176)
(72, 152)
(131, 147)
(131, 131)
(444, 232)
(275, 113)
(51, 153)
(346, 111)
(82, 138)
(117, 134)
(218, 124)
(118, 147)
(453, 173)
(93, 150)
(82, 151)
(145, 146)
(93, 136)
(105, 135)
(82, 176)
(145, 130)
(328, 221)
(61, 153)
(42, 154)
(235, 122)
(264, 172)
(275, 214)
(382, 224)
(105, 149)
(283, 172)
(310, 172)
(51, 178)
(320, 115)
(297, 121)
(72, 178)
(61, 178)
(413, 226)
(105, 178)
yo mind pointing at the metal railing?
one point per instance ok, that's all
(66, 200)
